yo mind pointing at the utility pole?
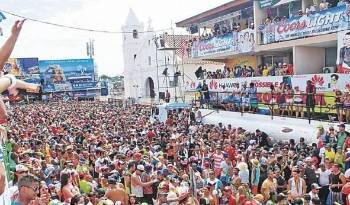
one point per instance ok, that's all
(90, 48)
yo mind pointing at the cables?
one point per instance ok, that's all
(78, 28)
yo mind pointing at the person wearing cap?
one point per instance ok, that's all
(341, 135)
(329, 153)
(137, 185)
(28, 187)
(225, 166)
(296, 185)
(255, 175)
(337, 181)
(315, 188)
(339, 157)
(21, 171)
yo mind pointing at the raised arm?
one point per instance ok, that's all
(7, 48)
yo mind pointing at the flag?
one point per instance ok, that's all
(2, 16)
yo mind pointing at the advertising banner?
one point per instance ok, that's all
(67, 75)
(228, 85)
(235, 43)
(242, 61)
(343, 56)
(26, 69)
(322, 22)
(323, 82)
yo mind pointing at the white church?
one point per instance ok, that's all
(151, 68)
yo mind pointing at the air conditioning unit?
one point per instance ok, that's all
(328, 70)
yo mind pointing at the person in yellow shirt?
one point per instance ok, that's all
(329, 153)
(265, 71)
(339, 157)
(269, 185)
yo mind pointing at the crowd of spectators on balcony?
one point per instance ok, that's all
(311, 9)
(278, 69)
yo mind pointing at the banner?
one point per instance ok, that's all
(323, 22)
(323, 82)
(228, 85)
(67, 75)
(235, 43)
(241, 61)
(343, 55)
(26, 69)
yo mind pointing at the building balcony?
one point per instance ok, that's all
(303, 26)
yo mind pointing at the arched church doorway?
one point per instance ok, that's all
(150, 88)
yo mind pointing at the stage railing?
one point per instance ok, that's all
(319, 106)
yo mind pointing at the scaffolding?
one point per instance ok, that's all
(163, 77)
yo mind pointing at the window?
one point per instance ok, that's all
(149, 42)
(134, 56)
(134, 33)
(149, 60)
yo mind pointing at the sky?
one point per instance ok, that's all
(49, 42)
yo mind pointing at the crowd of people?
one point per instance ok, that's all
(94, 153)
(310, 10)
(277, 69)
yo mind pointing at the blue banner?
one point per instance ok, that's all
(67, 75)
(233, 42)
(26, 69)
(326, 21)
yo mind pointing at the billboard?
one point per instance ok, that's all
(343, 56)
(233, 42)
(26, 69)
(67, 75)
(322, 22)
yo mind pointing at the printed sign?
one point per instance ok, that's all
(26, 69)
(235, 43)
(67, 75)
(323, 22)
(343, 59)
(228, 85)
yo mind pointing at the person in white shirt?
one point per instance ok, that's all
(323, 181)
(314, 191)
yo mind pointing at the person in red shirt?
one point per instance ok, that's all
(228, 197)
(169, 121)
(230, 151)
(151, 134)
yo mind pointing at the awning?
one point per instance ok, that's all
(283, 2)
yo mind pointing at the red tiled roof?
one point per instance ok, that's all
(197, 18)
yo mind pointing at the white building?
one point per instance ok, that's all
(144, 63)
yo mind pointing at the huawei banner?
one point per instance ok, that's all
(235, 84)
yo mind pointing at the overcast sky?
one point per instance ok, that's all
(49, 42)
